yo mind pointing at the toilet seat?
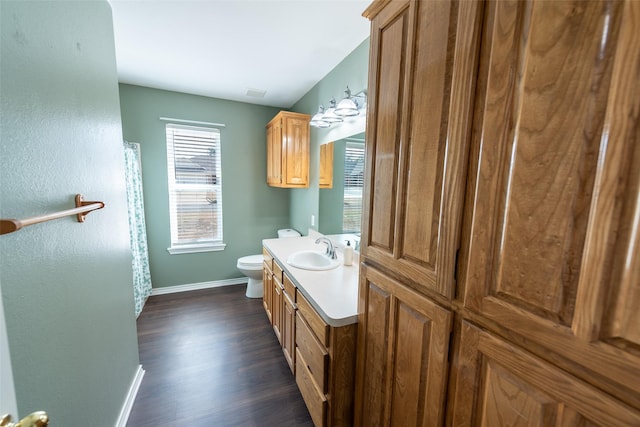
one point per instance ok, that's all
(251, 262)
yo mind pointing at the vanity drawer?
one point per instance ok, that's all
(289, 287)
(268, 259)
(312, 318)
(315, 354)
(315, 400)
(277, 271)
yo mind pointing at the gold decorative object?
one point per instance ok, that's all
(36, 419)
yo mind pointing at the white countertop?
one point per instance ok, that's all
(333, 293)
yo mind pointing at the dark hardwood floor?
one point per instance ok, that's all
(212, 359)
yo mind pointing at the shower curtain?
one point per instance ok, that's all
(137, 230)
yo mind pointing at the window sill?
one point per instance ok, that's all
(190, 249)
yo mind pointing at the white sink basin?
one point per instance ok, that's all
(312, 260)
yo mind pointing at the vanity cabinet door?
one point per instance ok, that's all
(267, 286)
(403, 342)
(555, 184)
(289, 330)
(421, 86)
(278, 304)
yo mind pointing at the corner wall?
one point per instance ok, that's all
(66, 287)
(252, 211)
(354, 72)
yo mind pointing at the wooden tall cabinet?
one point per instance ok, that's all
(500, 239)
(288, 150)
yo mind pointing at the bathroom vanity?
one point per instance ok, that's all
(314, 315)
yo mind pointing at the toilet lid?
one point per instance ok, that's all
(250, 261)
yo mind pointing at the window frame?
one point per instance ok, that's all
(174, 187)
(349, 148)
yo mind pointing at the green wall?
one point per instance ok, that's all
(66, 287)
(252, 210)
(352, 71)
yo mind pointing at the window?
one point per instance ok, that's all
(353, 185)
(195, 188)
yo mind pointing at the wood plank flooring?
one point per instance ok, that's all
(212, 359)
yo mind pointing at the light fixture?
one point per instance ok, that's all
(348, 107)
(330, 115)
(318, 119)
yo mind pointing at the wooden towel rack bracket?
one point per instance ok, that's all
(81, 211)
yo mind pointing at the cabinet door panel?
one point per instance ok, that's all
(552, 254)
(402, 359)
(274, 153)
(390, 42)
(277, 309)
(296, 159)
(267, 286)
(517, 389)
(326, 166)
(421, 75)
(289, 331)
(373, 333)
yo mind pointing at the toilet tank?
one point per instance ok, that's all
(287, 232)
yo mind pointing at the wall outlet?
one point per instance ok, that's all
(313, 220)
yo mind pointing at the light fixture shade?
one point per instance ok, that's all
(348, 107)
(330, 115)
(318, 119)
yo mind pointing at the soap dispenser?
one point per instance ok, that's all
(348, 253)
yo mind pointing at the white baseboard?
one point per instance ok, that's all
(131, 397)
(197, 286)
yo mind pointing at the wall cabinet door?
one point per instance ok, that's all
(515, 388)
(421, 88)
(274, 153)
(295, 162)
(403, 341)
(555, 186)
(326, 165)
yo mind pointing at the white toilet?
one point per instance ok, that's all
(251, 266)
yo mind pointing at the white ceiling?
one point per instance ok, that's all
(223, 48)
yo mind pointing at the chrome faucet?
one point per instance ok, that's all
(331, 251)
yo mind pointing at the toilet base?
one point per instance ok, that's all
(254, 288)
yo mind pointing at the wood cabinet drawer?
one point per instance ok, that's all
(312, 318)
(289, 287)
(268, 259)
(315, 400)
(277, 271)
(315, 354)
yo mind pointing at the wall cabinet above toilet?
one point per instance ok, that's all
(288, 150)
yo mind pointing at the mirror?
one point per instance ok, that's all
(340, 207)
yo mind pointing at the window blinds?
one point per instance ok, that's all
(353, 186)
(195, 184)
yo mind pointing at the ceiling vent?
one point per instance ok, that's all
(256, 93)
